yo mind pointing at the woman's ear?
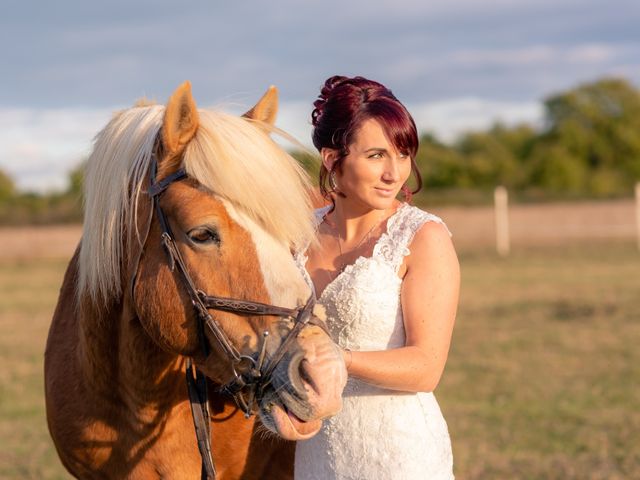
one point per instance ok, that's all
(329, 157)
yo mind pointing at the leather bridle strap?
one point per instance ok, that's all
(199, 401)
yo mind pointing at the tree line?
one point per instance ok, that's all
(22, 208)
(588, 146)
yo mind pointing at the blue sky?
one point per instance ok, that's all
(457, 64)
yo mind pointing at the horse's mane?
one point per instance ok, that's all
(231, 156)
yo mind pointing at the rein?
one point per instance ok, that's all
(251, 374)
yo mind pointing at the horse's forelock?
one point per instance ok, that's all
(229, 155)
(114, 178)
(237, 160)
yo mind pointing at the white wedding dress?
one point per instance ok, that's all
(379, 434)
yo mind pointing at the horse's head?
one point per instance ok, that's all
(234, 216)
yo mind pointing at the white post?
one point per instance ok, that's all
(501, 200)
(638, 213)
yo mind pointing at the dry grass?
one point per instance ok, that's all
(541, 381)
(543, 224)
(542, 378)
(28, 292)
(39, 242)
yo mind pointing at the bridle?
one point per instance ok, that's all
(251, 375)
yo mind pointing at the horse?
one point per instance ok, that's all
(182, 204)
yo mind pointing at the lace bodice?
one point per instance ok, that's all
(362, 302)
(380, 434)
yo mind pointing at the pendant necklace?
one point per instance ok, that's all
(361, 242)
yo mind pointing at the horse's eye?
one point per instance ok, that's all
(204, 236)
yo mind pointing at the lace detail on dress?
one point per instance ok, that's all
(393, 246)
(379, 434)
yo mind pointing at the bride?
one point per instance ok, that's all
(388, 277)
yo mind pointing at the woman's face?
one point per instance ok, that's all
(374, 171)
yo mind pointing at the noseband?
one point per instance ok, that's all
(251, 374)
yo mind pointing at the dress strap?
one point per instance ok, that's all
(393, 246)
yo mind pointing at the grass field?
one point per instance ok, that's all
(542, 381)
(28, 292)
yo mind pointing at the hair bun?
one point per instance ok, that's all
(325, 93)
(330, 84)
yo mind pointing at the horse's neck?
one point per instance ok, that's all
(121, 363)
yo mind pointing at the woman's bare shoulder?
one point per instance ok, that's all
(432, 240)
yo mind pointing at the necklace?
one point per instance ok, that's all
(364, 238)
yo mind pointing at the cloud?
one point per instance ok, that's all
(39, 147)
(457, 64)
(450, 118)
(534, 56)
(74, 53)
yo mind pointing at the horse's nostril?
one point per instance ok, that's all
(305, 376)
(298, 375)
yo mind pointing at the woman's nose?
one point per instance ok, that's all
(391, 171)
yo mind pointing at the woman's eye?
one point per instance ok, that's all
(376, 155)
(203, 236)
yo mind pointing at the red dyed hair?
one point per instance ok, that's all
(344, 104)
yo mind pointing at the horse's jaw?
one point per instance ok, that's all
(291, 427)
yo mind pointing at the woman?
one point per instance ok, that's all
(388, 277)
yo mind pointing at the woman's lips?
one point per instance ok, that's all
(386, 192)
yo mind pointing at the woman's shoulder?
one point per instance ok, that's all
(411, 219)
(430, 242)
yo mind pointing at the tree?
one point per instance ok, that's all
(440, 165)
(553, 168)
(489, 161)
(7, 187)
(76, 181)
(598, 124)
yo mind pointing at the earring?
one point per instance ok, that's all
(407, 193)
(332, 182)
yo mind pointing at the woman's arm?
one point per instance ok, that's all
(429, 296)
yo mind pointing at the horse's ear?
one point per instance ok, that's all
(266, 109)
(180, 122)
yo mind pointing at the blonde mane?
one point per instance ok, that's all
(232, 157)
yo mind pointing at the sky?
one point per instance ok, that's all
(457, 65)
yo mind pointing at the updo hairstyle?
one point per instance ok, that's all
(341, 108)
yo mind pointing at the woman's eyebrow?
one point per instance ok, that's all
(376, 149)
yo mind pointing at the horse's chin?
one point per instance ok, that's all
(290, 427)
